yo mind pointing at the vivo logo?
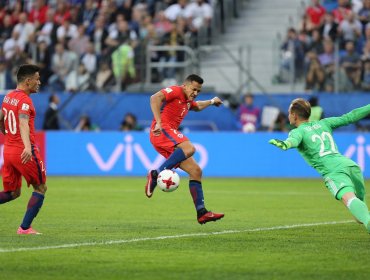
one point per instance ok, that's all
(129, 149)
(361, 149)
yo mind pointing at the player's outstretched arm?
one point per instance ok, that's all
(215, 101)
(280, 144)
(351, 117)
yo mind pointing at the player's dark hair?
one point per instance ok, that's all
(301, 107)
(25, 71)
(194, 78)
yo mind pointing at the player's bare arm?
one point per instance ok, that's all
(2, 126)
(155, 104)
(215, 101)
(25, 135)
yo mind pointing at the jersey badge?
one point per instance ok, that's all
(25, 107)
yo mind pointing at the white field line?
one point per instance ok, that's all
(110, 242)
(246, 192)
(282, 193)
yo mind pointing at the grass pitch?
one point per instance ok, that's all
(105, 228)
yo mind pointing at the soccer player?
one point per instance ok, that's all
(315, 143)
(170, 106)
(21, 156)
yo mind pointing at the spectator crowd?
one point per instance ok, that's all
(96, 44)
(330, 49)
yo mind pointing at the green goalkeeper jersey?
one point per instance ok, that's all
(315, 142)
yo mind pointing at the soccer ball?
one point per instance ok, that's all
(249, 127)
(168, 180)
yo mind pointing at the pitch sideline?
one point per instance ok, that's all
(102, 243)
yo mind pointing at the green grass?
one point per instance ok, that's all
(97, 210)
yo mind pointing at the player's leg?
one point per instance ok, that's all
(195, 182)
(6, 196)
(182, 151)
(35, 175)
(357, 207)
(33, 207)
(12, 181)
(359, 185)
(195, 186)
(341, 186)
(175, 147)
(172, 161)
(358, 182)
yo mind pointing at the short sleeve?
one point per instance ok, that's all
(193, 104)
(170, 93)
(25, 106)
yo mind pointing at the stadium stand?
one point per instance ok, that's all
(119, 33)
(329, 50)
(247, 56)
(102, 46)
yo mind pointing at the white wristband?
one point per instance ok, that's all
(212, 101)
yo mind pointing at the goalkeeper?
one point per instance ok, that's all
(315, 143)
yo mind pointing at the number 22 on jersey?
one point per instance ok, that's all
(323, 138)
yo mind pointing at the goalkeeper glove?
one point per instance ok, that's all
(278, 143)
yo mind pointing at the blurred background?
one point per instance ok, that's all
(102, 59)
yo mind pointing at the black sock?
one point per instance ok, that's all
(201, 212)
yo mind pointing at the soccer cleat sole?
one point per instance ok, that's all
(211, 220)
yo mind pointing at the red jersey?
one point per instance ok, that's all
(340, 13)
(39, 15)
(17, 102)
(316, 13)
(175, 107)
